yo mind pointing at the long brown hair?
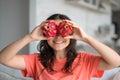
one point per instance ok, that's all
(47, 55)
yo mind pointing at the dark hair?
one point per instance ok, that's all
(47, 55)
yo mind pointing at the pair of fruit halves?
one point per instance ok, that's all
(50, 29)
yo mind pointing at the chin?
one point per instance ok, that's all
(59, 49)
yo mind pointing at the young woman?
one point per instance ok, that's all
(58, 59)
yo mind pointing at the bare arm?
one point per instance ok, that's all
(110, 58)
(9, 56)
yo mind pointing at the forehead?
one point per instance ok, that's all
(57, 21)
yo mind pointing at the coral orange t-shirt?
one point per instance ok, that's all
(84, 67)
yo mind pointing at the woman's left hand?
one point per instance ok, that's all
(78, 33)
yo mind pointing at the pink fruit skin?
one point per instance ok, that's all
(49, 29)
(65, 28)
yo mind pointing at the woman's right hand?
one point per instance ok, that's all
(37, 33)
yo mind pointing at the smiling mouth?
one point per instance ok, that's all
(58, 42)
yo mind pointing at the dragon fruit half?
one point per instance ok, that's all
(49, 29)
(65, 28)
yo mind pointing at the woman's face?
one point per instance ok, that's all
(58, 43)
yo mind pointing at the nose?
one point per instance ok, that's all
(58, 36)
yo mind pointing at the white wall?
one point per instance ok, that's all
(13, 25)
(13, 21)
(84, 17)
(87, 19)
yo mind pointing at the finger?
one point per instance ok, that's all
(43, 23)
(68, 37)
(49, 38)
(73, 23)
(42, 38)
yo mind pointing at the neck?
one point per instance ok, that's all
(60, 54)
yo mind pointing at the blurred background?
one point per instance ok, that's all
(99, 18)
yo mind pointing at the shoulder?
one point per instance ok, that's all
(86, 54)
(32, 64)
(31, 57)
